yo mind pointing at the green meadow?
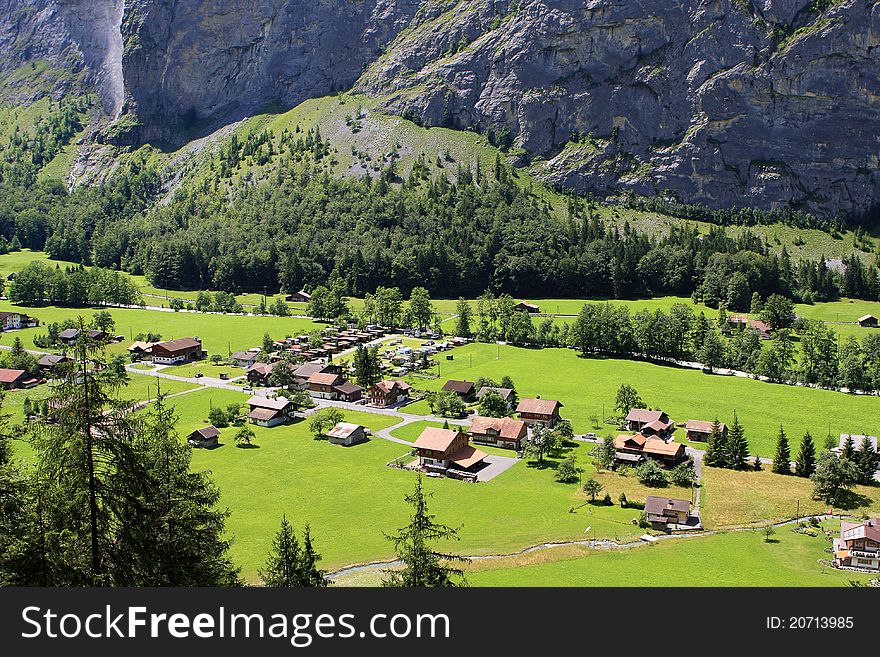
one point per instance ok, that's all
(741, 558)
(587, 388)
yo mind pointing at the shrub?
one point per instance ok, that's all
(623, 501)
(650, 474)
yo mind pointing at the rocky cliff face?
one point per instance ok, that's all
(769, 103)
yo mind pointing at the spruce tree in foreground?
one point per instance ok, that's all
(716, 450)
(290, 565)
(782, 458)
(805, 464)
(423, 566)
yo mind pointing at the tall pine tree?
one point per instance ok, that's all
(716, 450)
(737, 446)
(782, 458)
(805, 464)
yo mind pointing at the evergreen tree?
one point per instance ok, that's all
(737, 446)
(423, 566)
(290, 565)
(866, 459)
(463, 321)
(833, 477)
(782, 458)
(848, 449)
(367, 369)
(805, 463)
(716, 449)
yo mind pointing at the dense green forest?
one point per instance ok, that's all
(298, 226)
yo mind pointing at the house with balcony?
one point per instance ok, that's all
(858, 547)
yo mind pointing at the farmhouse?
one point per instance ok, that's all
(859, 545)
(10, 321)
(650, 423)
(443, 449)
(299, 297)
(205, 438)
(347, 434)
(464, 389)
(666, 513)
(10, 379)
(629, 449)
(764, 330)
(303, 373)
(389, 392)
(266, 412)
(334, 387)
(260, 374)
(140, 349)
(700, 430)
(534, 411)
(69, 336)
(507, 394)
(868, 321)
(49, 362)
(527, 307)
(634, 449)
(503, 432)
(177, 351)
(244, 358)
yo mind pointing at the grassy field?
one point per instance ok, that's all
(206, 369)
(588, 387)
(221, 334)
(731, 559)
(731, 498)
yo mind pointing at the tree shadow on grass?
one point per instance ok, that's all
(247, 446)
(849, 500)
(546, 464)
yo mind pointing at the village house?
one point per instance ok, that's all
(347, 434)
(269, 412)
(630, 450)
(388, 393)
(544, 412)
(649, 423)
(502, 432)
(507, 394)
(303, 373)
(177, 351)
(763, 329)
(858, 546)
(205, 438)
(447, 449)
(244, 358)
(13, 379)
(50, 362)
(11, 321)
(140, 349)
(69, 336)
(260, 374)
(700, 430)
(299, 297)
(868, 321)
(464, 389)
(334, 387)
(667, 513)
(527, 307)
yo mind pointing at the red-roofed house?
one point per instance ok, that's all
(502, 432)
(539, 411)
(10, 379)
(527, 307)
(389, 393)
(859, 545)
(446, 448)
(639, 418)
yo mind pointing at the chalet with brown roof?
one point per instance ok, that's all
(442, 449)
(269, 412)
(649, 423)
(507, 394)
(11, 321)
(205, 438)
(388, 393)
(504, 432)
(299, 297)
(700, 430)
(177, 351)
(668, 454)
(244, 358)
(334, 387)
(347, 434)
(534, 410)
(868, 321)
(764, 330)
(260, 374)
(69, 336)
(13, 379)
(527, 307)
(666, 513)
(140, 348)
(628, 449)
(464, 389)
(858, 547)
(50, 362)
(302, 373)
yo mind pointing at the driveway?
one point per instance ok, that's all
(495, 466)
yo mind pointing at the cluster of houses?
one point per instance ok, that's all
(652, 438)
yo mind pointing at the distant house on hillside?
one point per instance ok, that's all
(544, 412)
(11, 321)
(464, 389)
(299, 297)
(527, 307)
(868, 321)
(504, 432)
(69, 336)
(205, 437)
(700, 430)
(763, 329)
(666, 513)
(347, 434)
(177, 351)
(266, 412)
(649, 423)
